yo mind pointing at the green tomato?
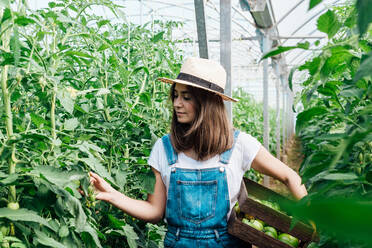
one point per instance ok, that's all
(246, 221)
(263, 223)
(271, 229)
(271, 234)
(5, 244)
(13, 205)
(288, 239)
(361, 157)
(92, 197)
(256, 225)
(237, 208)
(5, 230)
(90, 189)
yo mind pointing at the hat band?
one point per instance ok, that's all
(200, 82)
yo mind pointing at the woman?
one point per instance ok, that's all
(199, 166)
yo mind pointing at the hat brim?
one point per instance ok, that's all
(172, 81)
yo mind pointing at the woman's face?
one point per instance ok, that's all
(184, 104)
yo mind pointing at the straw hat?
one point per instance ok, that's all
(202, 73)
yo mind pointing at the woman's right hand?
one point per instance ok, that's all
(102, 189)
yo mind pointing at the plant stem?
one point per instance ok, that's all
(142, 89)
(107, 113)
(8, 113)
(53, 117)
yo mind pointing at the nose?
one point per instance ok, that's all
(177, 102)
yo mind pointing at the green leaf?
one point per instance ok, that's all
(57, 176)
(364, 8)
(23, 21)
(345, 218)
(364, 69)
(328, 23)
(115, 222)
(12, 239)
(7, 14)
(9, 180)
(352, 92)
(73, 206)
(145, 98)
(63, 231)
(18, 245)
(290, 77)
(88, 229)
(22, 214)
(71, 124)
(103, 47)
(102, 22)
(278, 50)
(145, 69)
(86, 146)
(131, 235)
(157, 37)
(52, 4)
(282, 49)
(304, 117)
(38, 120)
(66, 100)
(96, 166)
(341, 176)
(314, 3)
(312, 66)
(43, 239)
(148, 181)
(78, 54)
(328, 89)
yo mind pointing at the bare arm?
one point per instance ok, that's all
(151, 210)
(267, 164)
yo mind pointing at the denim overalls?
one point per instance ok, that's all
(198, 204)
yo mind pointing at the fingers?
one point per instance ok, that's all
(81, 191)
(94, 178)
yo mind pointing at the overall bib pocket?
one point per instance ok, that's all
(196, 200)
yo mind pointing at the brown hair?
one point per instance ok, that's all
(210, 133)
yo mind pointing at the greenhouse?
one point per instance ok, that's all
(205, 123)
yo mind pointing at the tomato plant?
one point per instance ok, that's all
(79, 94)
(334, 123)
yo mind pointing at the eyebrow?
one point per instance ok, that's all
(182, 92)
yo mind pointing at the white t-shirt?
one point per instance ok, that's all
(244, 152)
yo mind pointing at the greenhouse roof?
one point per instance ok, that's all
(292, 22)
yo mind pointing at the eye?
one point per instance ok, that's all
(187, 97)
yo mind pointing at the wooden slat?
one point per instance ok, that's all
(274, 218)
(253, 236)
(278, 220)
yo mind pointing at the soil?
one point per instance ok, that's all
(291, 156)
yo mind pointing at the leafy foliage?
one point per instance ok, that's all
(335, 127)
(79, 94)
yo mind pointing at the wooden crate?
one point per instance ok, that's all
(280, 221)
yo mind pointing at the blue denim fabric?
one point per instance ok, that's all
(197, 205)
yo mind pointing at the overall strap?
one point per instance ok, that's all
(225, 156)
(171, 154)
